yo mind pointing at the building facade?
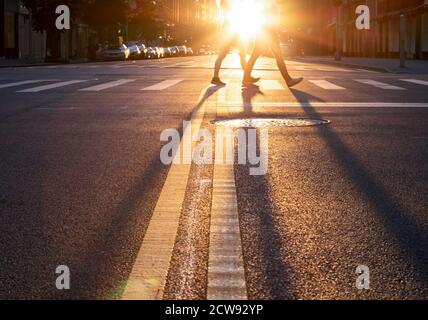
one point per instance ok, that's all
(17, 38)
(189, 21)
(313, 24)
(382, 40)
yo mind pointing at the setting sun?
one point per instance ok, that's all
(246, 17)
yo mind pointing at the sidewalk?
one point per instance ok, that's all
(375, 64)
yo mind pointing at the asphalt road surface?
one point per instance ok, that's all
(82, 184)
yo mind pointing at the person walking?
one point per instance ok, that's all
(231, 39)
(269, 38)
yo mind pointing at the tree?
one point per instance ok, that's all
(44, 17)
(106, 17)
(142, 20)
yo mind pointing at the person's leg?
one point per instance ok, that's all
(242, 54)
(253, 59)
(280, 60)
(279, 57)
(224, 51)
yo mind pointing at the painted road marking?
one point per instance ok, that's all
(226, 274)
(21, 83)
(324, 84)
(56, 108)
(271, 85)
(148, 276)
(415, 81)
(162, 85)
(239, 104)
(53, 86)
(369, 71)
(378, 84)
(108, 85)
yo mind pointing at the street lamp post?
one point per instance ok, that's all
(402, 41)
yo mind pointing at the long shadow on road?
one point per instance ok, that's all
(409, 234)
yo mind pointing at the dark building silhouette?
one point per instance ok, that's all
(318, 27)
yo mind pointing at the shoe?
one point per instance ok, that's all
(218, 82)
(250, 81)
(293, 82)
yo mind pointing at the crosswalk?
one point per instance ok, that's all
(52, 86)
(324, 84)
(20, 83)
(332, 84)
(378, 84)
(108, 85)
(196, 65)
(163, 85)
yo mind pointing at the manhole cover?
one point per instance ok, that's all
(271, 122)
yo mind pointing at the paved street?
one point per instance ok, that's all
(82, 184)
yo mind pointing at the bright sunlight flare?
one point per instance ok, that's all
(246, 17)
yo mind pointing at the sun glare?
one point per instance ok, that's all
(246, 17)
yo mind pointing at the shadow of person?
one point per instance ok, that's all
(249, 93)
(410, 235)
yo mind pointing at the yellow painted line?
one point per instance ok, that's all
(148, 277)
(226, 275)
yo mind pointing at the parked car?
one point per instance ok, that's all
(182, 50)
(205, 50)
(162, 53)
(152, 53)
(168, 52)
(134, 50)
(143, 50)
(175, 51)
(114, 52)
(189, 51)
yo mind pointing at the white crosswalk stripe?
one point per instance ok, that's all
(324, 84)
(233, 74)
(108, 85)
(53, 86)
(21, 83)
(162, 85)
(379, 84)
(271, 85)
(415, 81)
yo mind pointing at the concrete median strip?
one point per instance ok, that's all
(148, 277)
